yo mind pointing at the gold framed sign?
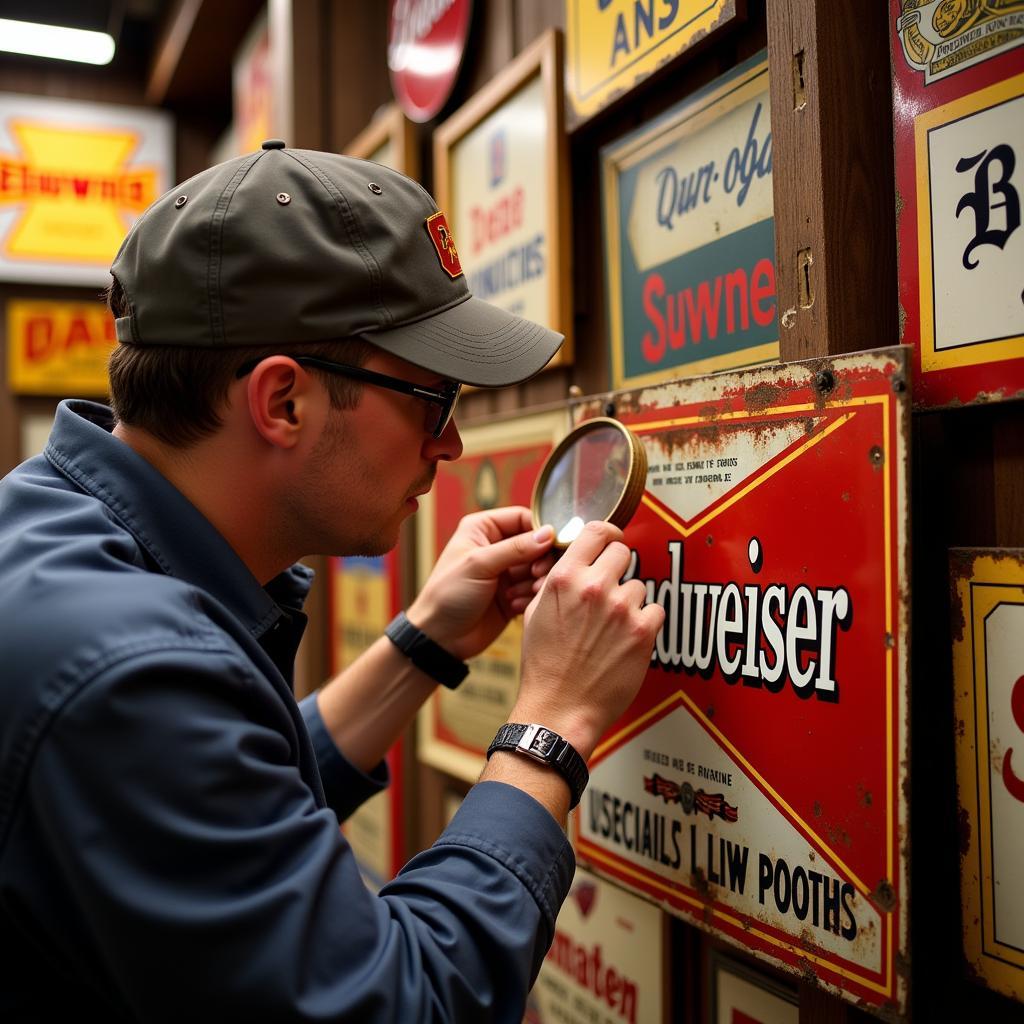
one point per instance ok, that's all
(389, 139)
(500, 462)
(988, 678)
(501, 166)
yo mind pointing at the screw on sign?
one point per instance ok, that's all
(426, 42)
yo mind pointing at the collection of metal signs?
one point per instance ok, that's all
(757, 787)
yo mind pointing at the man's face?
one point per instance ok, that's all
(372, 462)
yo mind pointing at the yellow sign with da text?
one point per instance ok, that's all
(58, 348)
(612, 45)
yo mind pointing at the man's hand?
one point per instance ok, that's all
(588, 641)
(488, 573)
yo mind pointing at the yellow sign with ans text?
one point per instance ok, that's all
(612, 45)
(58, 348)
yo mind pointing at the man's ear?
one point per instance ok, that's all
(281, 396)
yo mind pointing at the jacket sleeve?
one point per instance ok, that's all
(346, 788)
(211, 878)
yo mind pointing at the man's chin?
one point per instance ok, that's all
(371, 547)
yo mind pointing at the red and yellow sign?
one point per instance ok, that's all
(755, 785)
(73, 179)
(58, 348)
(958, 118)
(364, 598)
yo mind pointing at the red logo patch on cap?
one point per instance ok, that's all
(441, 236)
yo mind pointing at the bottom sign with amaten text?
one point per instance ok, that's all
(755, 785)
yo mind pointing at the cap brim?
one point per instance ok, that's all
(474, 343)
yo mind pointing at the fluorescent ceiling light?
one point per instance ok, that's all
(54, 41)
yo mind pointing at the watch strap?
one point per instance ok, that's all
(547, 747)
(427, 656)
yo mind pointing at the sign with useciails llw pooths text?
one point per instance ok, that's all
(755, 786)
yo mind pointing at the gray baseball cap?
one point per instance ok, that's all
(290, 245)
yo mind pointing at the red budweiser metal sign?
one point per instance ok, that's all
(426, 42)
(755, 785)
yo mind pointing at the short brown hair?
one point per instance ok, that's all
(176, 393)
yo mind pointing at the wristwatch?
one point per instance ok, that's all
(548, 748)
(426, 655)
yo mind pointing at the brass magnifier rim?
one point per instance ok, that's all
(636, 477)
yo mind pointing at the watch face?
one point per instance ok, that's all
(543, 742)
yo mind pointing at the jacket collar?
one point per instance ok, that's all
(179, 539)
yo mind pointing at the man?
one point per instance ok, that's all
(294, 331)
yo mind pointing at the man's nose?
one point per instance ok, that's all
(447, 447)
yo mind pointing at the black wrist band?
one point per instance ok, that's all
(427, 656)
(548, 748)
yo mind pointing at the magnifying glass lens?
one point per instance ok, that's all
(588, 479)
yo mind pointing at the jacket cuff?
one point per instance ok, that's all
(513, 828)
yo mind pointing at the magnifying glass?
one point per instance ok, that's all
(597, 471)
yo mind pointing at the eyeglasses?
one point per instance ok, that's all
(440, 401)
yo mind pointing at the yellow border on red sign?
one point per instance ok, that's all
(982, 351)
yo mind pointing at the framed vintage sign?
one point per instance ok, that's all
(74, 177)
(501, 168)
(364, 597)
(607, 961)
(35, 433)
(756, 785)
(741, 995)
(615, 44)
(59, 348)
(958, 101)
(500, 462)
(690, 236)
(988, 675)
(252, 88)
(426, 46)
(389, 139)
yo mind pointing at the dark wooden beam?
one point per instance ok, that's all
(835, 225)
(194, 51)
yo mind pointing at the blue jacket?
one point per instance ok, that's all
(169, 843)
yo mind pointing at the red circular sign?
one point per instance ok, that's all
(426, 41)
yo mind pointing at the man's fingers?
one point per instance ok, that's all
(636, 592)
(614, 560)
(524, 588)
(502, 555)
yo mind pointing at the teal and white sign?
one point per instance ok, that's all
(690, 236)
